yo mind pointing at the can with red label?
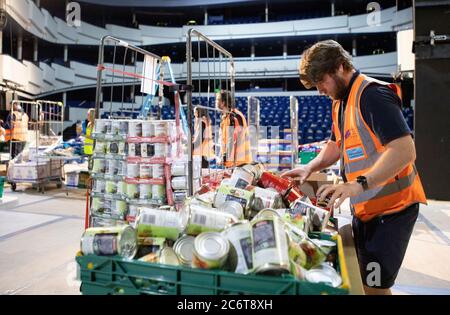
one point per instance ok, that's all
(269, 180)
(293, 194)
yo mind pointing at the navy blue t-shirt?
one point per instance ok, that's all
(381, 110)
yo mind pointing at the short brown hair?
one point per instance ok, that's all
(225, 96)
(322, 58)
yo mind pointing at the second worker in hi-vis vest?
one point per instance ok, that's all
(376, 151)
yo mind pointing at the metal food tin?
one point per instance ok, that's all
(179, 182)
(145, 171)
(121, 188)
(234, 208)
(135, 128)
(122, 168)
(180, 196)
(167, 256)
(116, 147)
(111, 187)
(99, 166)
(241, 178)
(132, 170)
(115, 127)
(184, 248)
(133, 211)
(179, 168)
(148, 128)
(210, 251)
(269, 180)
(160, 223)
(161, 128)
(145, 191)
(147, 149)
(270, 246)
(265, 198)
(227, 193)
(161, 150)
(158, 171)
(134, 149)
(292, 195)
(110, 241)
(99, 186)
(100, 147)
(324, 274)
(119, 208)
(123, 127)
(107, 127)
(105, 222)
(240, 237)
(97, 204)
(204, 219)
(132, 191)
(256, 169)
(100, 126)
(269, 213)
(159, 192)
(112, 167)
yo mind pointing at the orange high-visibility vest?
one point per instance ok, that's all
(361, 149)
(206, 149)
(235, 140)
(19, 127)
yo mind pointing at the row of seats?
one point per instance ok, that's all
(314, 116)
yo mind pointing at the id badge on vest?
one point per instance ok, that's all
(354, 149)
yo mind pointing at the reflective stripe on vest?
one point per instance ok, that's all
(361, 149)
(88, 142)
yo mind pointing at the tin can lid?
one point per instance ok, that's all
(324, 273)
(211, 245)
(272, 269)
(168, 256)
(184, 248)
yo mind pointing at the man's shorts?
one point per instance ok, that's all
(381, 245)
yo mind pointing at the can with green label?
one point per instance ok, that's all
(205, 219)
(160, 223)
(110, 241)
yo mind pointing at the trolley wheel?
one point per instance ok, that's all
(13, 186)
(58, 185)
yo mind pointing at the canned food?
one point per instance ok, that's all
(115, 127)
(160, 223)
(324, 274)
(133, 211)
(112, 167)
(255, 169)
(97, 204)
(111, 187)
(265, 198)
(240, 237)
(134, 149)
(179, 182)
(100, 147)
(180, 196)
(108, 124)
(234, 208)
(147, 149)
(269, 180)
(158, 171)
(145, 171)
(184, 248)
(132, 170)
(135, 128)
(122, 168)
(99, 166)
(123, 127)
(270, 246)
(161, 149)
(145, 191)
(228, 193)
(161, 128)
(204, 219)
(99, 186)
(148, 129)
(121, 188)
(132, 191)
(159, 192)
(179, 168)
(109, 241)
(167, 256)
(105, 222)
(292, 195)
(116, 147)
(210, 251)
(119, 208)
(241, 178)
(270, 213)
(100, 126)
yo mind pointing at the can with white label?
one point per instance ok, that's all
(119, 208)
(100, 147)
(109, 241)
(160, 128)
(100, 126)
(121, 187)
(122, 168)
(159, 192)
(133, 211)
(241, 178)
(179, 168)
(135, 128)
(145, 191)
(134, 149)
(112, 167)
(123, 127)
(145, 171)
(240, 237)
(160, 223)
(115, 127)
(132, 191)
(266, 198)
(147, 150)
(161, 150)
(99, 185)
(204, 219)
(179, 182)
(133, 170)
(234, 208)
(180, 196)
(227, 193)
(158, 171)
(99, 166)
(108, 123)
(148, 129)
(270, 246)
(210, 251)
(116, 147)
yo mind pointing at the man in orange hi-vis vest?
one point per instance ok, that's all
(16, 129)
(374, 145)
(235, 141)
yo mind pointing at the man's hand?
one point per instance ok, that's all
(299, 174)
(339, 192)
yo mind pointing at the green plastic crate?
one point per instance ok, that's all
(102, 275)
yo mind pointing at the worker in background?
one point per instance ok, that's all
(203, 141)
(374, 144)
(235, 146)
(16, 129)
(88, 140)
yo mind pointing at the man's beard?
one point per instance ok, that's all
(341, 88)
